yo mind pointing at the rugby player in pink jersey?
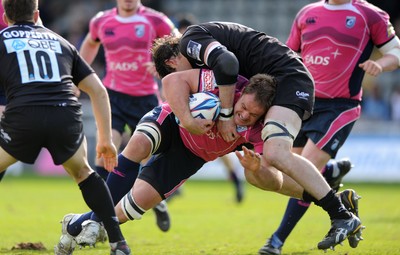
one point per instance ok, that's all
(126, 33)
(335, 39)
(175, 153)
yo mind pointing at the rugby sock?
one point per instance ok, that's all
(74, 227)
(331, 204)
(102, 172)
(121, 180)
(235, 179)
(2, 174)
(294, 212)
(98, 198)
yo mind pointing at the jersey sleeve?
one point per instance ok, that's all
(165, 27)
(381, 29)
(294, 39)
(94, 26)
(81, 69)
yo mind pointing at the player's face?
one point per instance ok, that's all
(128, 5)
(247, 112)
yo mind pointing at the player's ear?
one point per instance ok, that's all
(172, 62)
(35, 16)
(5, 20)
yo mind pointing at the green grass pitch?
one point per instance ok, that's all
(205, 220)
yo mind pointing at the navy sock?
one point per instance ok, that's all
(98, 198)
(75, 225)
(121, 180)
(294, 212)
(102, 172)
(233, 176)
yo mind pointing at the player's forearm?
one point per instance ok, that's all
(227, 95)
(388, 63)
(176, 92)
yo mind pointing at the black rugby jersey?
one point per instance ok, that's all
(39, 67)
(256, 51)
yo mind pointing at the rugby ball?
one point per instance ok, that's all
(204, 105)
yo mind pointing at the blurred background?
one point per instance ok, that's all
(373, 146)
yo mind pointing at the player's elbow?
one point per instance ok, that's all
(225, 66)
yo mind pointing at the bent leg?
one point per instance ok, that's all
(141, 198)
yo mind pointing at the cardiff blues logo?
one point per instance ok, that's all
(139, 30)
(241, 128)
(350, 21)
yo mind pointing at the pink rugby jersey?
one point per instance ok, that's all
(127, 42)
(211, 145)
(2, 24)
(333, 40)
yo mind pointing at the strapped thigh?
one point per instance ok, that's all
(276, 129)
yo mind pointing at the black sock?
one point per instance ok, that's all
(98, 198)
(331, 204)
(2, 174)
(308, 198)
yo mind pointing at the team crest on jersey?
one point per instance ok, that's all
(241, 128)
(193, 50)
(139, 30)
(350, 21)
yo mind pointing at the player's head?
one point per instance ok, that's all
(20, 10)
(255, 100)
(128, 6)
(184, 21)
(167, 57)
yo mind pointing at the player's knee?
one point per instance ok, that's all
(131, 210)
(152, 135)
(278, 139)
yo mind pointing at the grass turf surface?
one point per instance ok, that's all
(205, 220)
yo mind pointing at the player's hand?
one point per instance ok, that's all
(227, 129)
(198, 126)
(249, 160)
(108, 152)
(371, 67)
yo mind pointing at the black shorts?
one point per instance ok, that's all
(128, 110)
(330, 124)
(295, 89)
(24, 131)
(173, 163)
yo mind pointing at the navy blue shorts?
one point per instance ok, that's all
(128, 110)
(173, 163)
(330, 124)
(26, 130)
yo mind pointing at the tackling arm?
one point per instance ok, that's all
(177, 87)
